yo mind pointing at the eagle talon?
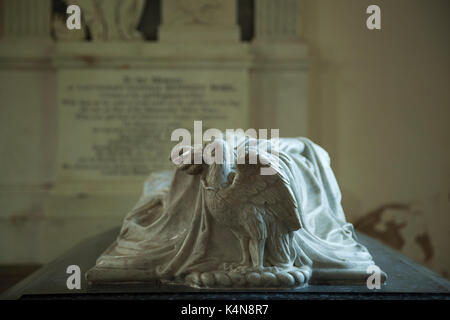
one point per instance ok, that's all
(238, 267)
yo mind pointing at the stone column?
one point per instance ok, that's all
(26, 140)
(26, 19)
(279, 73)
(276, 20)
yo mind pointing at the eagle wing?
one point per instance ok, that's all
(270, 194)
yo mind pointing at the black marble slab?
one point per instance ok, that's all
(406, 280)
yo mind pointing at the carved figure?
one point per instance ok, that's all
(253, 206)
(111, 19)
(224, 224)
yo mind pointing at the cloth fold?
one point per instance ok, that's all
(170, 232)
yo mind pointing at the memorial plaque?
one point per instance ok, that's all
(116, 125)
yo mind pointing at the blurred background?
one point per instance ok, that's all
(86, 114)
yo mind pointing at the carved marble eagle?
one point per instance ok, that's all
(259, 209)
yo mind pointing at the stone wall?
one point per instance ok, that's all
(378, 102)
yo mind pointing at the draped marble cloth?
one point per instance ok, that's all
(170, 234)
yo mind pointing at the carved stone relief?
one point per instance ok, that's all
(227, 225)
(110, 20)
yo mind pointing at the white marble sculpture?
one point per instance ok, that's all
(107, 20)
(229, 225)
